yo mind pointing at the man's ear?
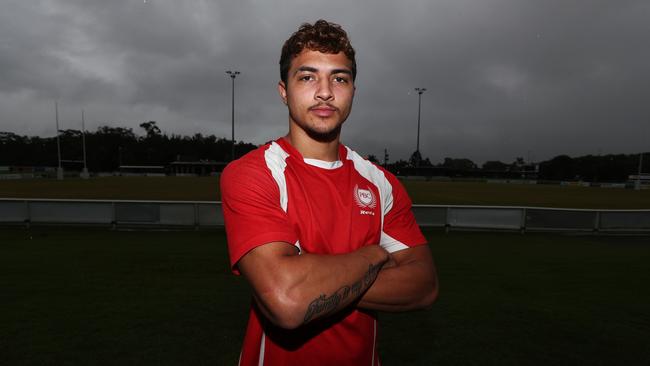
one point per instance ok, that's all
(282, 89)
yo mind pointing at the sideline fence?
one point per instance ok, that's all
(204, 214)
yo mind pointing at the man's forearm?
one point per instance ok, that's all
(295, 289)
(409, 285)
(324, 304)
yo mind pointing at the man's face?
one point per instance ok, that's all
(319, 93)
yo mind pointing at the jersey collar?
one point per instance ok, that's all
(329, 165)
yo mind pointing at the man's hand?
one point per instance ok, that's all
(389, 263)
(292, 289)
(407, 281)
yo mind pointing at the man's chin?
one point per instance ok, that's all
(324, 136)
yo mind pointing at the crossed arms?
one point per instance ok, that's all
(292, 290)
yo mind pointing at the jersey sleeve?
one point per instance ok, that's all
(400, 230)
(251, 208)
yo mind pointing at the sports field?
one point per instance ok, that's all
(422, 192)
(79, 296)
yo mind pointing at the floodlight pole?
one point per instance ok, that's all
(84, 172)
(233, 75)
(417, 146)
(59, 170)
(638, 175)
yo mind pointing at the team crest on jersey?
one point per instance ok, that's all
(364, 197)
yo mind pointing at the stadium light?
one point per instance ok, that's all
(417, 146)
(59, 170)
(84, 172)
(637, 184)
(233, 75)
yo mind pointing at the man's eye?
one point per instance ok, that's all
(306, 78)
(341, 79)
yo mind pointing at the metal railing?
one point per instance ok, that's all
(111, 212)
(532, 218)
(207, 214)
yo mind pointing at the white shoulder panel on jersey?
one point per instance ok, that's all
(369, 171)
(275, 159)
(376, 177)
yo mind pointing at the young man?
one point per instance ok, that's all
(324, 237)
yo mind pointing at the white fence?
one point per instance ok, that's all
(208, 214)
(532, 218)
(111, 213)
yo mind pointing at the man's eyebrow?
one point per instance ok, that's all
(341, 71)
(313, 69)
(306, 68)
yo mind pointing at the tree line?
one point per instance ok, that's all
(589, 168)
(110, 147)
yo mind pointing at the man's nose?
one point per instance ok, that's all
(324, 91)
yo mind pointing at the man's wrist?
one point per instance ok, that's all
(374, 254)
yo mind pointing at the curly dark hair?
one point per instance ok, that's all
(322, 36)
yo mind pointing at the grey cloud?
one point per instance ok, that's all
(505, 78)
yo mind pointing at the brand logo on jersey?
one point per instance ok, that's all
(365, 199)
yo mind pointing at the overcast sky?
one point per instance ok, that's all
(504, 78)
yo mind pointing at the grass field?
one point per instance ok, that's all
(90, 296)
(422, 192)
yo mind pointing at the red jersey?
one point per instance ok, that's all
(274, 194)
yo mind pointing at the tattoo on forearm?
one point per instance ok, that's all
(324, 305)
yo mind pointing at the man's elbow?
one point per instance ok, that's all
(287, 320)
(283, 312)
(429, 298)
(432, 290)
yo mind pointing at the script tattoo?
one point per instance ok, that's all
(324, 305)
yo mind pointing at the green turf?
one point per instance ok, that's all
(479, 193)
(87, 296)
(533, 299)
(422, 192)
(80, 297)
(126, 188)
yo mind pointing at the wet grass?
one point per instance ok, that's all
(80, 296)
(421, 192)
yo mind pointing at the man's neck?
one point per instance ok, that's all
(310, 148)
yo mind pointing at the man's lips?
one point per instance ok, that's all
(323, 111)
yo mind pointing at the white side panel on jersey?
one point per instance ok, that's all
(260, 360)
(391, 244)
(374, 341)
(275, 159)
(369, 171)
